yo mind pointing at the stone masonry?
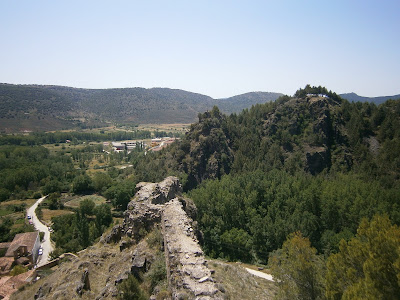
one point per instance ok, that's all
(155, 203)
(187, 270)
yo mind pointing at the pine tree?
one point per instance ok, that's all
(297, 269)
(368, 266)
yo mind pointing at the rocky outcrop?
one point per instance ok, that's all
(42, 292)
(114, 236)
(146, 207)
(307, 128)
(84, 284)
(317, 159)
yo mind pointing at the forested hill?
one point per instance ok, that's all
(238, 103)
(314, 163)
(377, 100)
(311, 132)
(34, 107)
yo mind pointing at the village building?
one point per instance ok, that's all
(23, 250)
(118, 146)
(164, 142)
(127, 145)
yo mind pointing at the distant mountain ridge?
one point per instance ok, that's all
(377, 100)
(41, 107)
(49, 107)
(240, 102)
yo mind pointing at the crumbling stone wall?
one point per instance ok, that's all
(187, 271)
(153, 203)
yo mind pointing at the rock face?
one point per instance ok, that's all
(84, 283)
(317, 159)
(309, 131)
(146, 207)
(162, 203)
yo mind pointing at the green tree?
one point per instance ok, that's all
(81, 184)
(5, 228)
(18, 269)
(298, 269)
(52, 186)
(101, 181)
(86, 207)
(83, 229)
(120, 194)
(238, 244)
(54, 201)
(368, 266)
(103, 217)
(4, 194)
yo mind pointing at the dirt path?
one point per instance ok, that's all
(46, 244)
(260, 274)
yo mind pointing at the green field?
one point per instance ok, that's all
(74, 203)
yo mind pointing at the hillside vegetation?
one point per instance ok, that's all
(308, 184)
(38, 108)
(313, 163)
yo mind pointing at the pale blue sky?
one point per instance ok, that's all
(217, 48)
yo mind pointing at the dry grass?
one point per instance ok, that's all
(240, 284)
(48, 214)
(29, 202)
(105, 263)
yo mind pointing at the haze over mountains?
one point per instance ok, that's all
(377, 100)
(38, 108)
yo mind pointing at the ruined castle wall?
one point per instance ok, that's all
(187, 270)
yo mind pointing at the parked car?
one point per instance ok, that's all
(40, 251)
(30, 222)
(29, 217)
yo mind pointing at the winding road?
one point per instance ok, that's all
(46, 244)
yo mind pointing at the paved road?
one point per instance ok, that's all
(260, 274)
(46, 244)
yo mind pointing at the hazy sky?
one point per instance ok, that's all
(217, 48)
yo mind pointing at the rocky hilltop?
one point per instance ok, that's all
(307, 133)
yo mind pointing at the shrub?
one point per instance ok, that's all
(18, 270)
(130, 289)
(37, 195)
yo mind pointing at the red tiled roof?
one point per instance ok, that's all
(5, 245)
(27, 239)
(6, 263)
